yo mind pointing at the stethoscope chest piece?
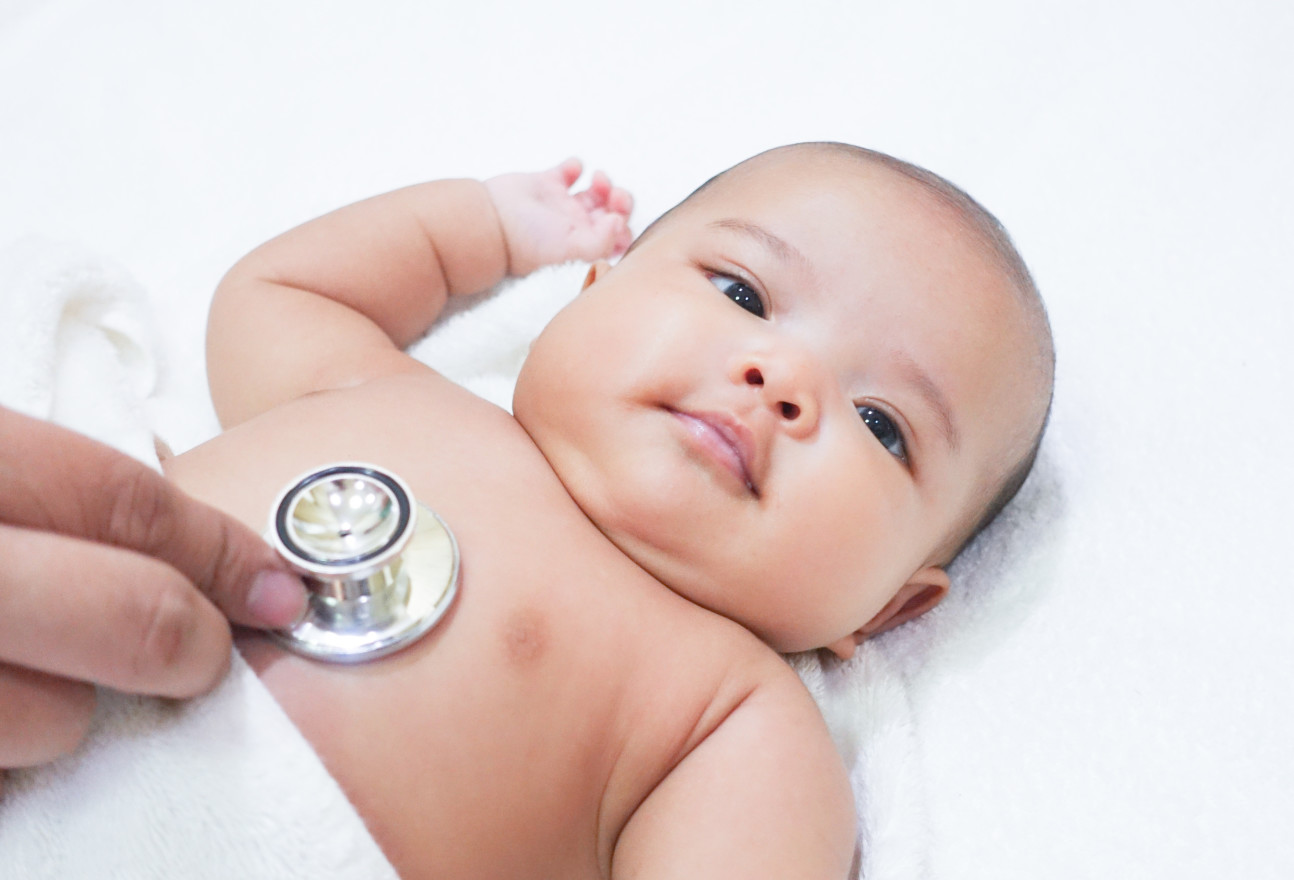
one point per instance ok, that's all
(381, 568)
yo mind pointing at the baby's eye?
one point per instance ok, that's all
(739, 292)
(883, 427)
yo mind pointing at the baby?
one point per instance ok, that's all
(768, 428)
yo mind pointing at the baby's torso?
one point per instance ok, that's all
(517, 738)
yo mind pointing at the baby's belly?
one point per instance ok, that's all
(495, 745)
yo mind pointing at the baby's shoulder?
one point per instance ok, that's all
(781, 727)
(765, 794)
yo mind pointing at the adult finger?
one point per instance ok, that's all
(41, 716)
(93, 612)
(56, 480)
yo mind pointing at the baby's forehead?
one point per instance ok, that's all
(865, 201)
(940, 219)
(862, 174)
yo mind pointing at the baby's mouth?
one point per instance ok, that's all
(724, 440)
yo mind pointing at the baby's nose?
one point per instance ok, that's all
(788, 392)
(789, 411)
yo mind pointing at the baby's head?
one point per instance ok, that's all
(800, 392)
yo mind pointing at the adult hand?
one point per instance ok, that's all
(110, 575)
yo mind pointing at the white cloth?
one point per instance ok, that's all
(223, 786)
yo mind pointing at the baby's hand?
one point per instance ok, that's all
(545, 223)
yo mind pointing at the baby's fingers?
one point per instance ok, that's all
(619, 201)
(596, 195)
(603, 196)
(570, 171)
(44, 717)
(606, 235)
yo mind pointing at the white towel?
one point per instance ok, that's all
(78, 344)
(223, 786)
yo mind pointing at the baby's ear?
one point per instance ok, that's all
(923, 591)
(596, 271)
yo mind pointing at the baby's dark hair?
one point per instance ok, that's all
(983, 226)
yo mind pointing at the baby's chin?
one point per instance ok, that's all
(652, 534)
(704, 587)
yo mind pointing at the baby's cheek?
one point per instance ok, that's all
(848, 533)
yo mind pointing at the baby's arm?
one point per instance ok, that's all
(332, 303)
(763, 796)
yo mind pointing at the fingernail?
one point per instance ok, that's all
(277, 599)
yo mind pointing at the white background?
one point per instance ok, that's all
(1136, 720)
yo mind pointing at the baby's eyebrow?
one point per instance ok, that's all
(781, 248)
(927, 388)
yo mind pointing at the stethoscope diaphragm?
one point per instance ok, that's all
(381, 568)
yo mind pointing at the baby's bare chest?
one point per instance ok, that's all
(560, 688)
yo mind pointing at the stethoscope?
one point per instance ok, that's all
(381, 569)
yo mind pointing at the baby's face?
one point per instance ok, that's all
(786, 397)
